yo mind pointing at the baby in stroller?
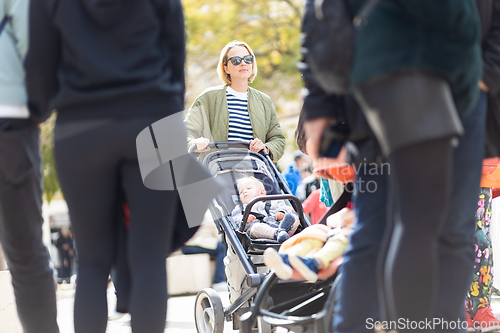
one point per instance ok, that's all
(312, 250)
(271, 219)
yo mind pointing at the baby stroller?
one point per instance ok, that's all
(259, 300)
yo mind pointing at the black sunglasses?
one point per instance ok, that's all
(237, 60)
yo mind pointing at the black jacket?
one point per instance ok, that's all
(105, 58)
(489, 11)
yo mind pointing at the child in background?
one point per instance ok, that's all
(313, 249)
(313, 206)
(271, 219)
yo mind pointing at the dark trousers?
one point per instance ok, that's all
(98, 169)
(358, 306)
(21, 229)
(218, 254)
(120, 273)
(66, 267)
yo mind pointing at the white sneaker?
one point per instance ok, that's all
(273, 260)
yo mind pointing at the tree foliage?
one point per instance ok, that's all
(270, 27)
(50, 182)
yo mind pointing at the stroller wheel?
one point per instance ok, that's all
(208, 312)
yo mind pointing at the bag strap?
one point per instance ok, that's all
(3, 23)
(341, 202)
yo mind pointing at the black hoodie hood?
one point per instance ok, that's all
(106, 12)
(106, 58)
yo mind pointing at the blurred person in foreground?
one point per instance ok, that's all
(110, 68)
(20, 180)
(415, 75)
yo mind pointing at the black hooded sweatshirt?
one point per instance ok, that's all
(105, 58)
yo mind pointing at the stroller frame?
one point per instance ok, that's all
(308, 310)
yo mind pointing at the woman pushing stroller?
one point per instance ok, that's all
(235, 111)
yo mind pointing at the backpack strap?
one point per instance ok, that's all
(3, 23)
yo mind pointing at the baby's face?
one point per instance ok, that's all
(249, 190)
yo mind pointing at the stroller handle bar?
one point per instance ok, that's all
(252, 202)
(243, 144)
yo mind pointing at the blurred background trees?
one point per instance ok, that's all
(270, 27)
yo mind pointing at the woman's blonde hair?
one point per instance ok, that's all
(226, 78)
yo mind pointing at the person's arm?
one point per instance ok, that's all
(19, 15)
(196, 122)
(42, 60)
(491, 53)
(275, 140)
(318, 111)
(317, 103)
(175, 37)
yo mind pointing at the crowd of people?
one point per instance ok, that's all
(424, 76)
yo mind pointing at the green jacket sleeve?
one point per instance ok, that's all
(275, 140)
(196, 122)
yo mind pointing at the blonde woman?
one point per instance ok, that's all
(235, 111)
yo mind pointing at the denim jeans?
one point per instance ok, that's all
(218, 253)
(358, 307)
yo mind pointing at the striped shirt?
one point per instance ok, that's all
(240, 127)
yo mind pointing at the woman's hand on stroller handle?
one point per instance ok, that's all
(201, 144)
(256, 145)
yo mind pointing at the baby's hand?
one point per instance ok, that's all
(250, 218)
(280, 216)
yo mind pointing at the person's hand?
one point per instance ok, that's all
(344, 218)
(201, 144)
(250, 218)
(280, 216)
(256, 145)
(314, 132)
(483, 86)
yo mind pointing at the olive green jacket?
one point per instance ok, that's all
(208, 117)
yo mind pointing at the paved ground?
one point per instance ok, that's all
(180, 317)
